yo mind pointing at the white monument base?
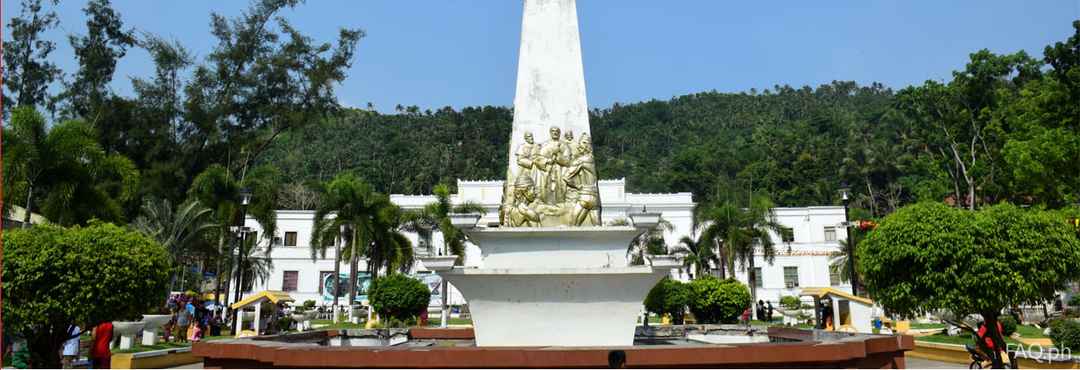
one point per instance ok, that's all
(555, 307)
(558, 286)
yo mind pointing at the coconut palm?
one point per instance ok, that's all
(217, 189)
(838, 260)
(718, 224)
(180, 230)
(62, 172)
(752, 237)
(649, 242)
(696, 254)
(435, 216)
(366, 221)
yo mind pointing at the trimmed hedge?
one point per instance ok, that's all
(669, 296)
(1008, 325)
(718, 301)
(399, 297)
(1066, 334)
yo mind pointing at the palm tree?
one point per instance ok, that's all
(65, 170)
(435, 216)
(754, 229)
(696, 254)
(217, 189)
(718, 223)
(179, 230)
(254, 263)
(649, 242)
(366, 221)
(838, 260)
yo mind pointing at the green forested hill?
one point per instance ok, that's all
(790, 142)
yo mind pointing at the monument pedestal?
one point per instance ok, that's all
(560, 286)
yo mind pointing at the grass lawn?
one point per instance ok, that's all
(453, 321)
(137, 347)
(330, 325)
(1029, 331)
(932, 325)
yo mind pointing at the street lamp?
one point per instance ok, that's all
(845, 197)
(245, 200)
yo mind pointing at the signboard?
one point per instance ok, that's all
(363, 282)
(434, 283)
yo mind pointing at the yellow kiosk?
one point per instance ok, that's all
(256, 301)
(848, 312)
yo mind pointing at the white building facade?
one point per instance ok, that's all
(815, 229)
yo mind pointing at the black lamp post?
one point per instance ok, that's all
(245, 200)
(845, 197)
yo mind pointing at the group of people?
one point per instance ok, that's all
(762, 311)
(190, 321)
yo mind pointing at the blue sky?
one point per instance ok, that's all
(434, 53)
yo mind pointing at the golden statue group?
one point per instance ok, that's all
(551, 184)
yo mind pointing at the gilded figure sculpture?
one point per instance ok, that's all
(554, 183)
(581, 177)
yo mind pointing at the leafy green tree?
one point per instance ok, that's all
(929, 256)
(714, 300)
(55, 277)
(105, 43)
(1043, 147)
(27, 69)
(62, 172)
(180, 230)
(399, 297)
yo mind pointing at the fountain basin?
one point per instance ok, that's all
(454, 348)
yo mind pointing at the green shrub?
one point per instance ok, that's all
(1066, 334)
(309, 304)
(1008, 325)
(718, 301)
(1075, 300)
(790, 302)
(669, 296)
(54, 276)
(399, 297)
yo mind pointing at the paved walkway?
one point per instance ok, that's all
(918, 363)
(912, 363)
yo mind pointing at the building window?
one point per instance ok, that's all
(834, 275)
(787, 234)
(289, 280)
(791, 277)
(830, 233)
(290, 238)
(322, 280)
(758, 279)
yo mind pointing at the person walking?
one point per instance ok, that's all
(100, 354)
(71, 346)
(760, 311)
(183, 322)
(768, 311)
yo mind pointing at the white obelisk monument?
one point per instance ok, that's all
(551, 77)
(543, 284)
